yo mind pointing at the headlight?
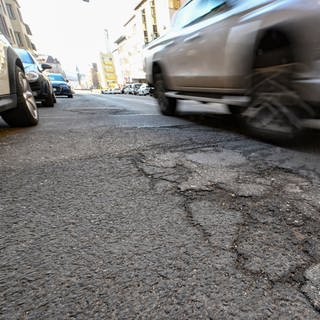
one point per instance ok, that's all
(32, 76)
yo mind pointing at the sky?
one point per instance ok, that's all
(73, 30)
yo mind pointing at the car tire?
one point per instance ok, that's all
(167, 105)
(26, 112)
(235, 110)
(275, 110)
(70, 96)
(49, 101)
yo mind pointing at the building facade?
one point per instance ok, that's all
(109, 78)
(94, 78)
(13, 27)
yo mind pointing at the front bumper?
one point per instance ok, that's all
(38, 91)
(61, 91)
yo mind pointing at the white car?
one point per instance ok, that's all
(144, 90)
(17, 104)
(116, 90)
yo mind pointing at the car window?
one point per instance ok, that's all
(197, 10)
(56, 77)
(25, 57)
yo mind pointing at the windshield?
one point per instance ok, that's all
(25, 56)
(195, 10)
(56, 77)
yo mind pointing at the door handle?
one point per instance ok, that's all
(192, 37)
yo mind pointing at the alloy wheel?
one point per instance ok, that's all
(27, 95)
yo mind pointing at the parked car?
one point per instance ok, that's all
(126, 89)
(116, 90)
(17, 104)
(60, 85)
(134, 88)
(40, 84)
(144, 90)
(261, 58)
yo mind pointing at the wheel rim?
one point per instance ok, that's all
(27, 95)
(274, 103)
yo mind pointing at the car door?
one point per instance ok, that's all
(199, 59)
(4, 76)
(198, 48)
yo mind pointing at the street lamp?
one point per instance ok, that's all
(106, 32)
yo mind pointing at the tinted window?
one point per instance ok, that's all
(195, 11)
(56, 77)
(25, 57)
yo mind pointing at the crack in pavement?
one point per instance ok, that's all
(259, 219)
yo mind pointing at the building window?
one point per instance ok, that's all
(174, 4)
(10, 11)
(153, 12)
(19, 14)
(155, 31)
(145, 28)
(18, 38)
(12, 36)
(28, 29)
(28, 42)
(154, 20)
(3, 7)
(4, 27)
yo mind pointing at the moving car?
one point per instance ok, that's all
(60, 85)
(261, 58)
(17, 104)
(40, 84)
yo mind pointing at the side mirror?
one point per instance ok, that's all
(45, 66)
(67, 80)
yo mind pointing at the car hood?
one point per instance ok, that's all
(30, 67)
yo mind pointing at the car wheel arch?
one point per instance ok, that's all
(157, 68)
(273, 38)
(13, 61)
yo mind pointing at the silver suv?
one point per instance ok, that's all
(17, 104)
(259, 57)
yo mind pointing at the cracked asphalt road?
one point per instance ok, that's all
(111, 211)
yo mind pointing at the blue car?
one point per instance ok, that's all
(60, 85)
(40, 84)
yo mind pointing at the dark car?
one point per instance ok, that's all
(40, 84)
(60, 85)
